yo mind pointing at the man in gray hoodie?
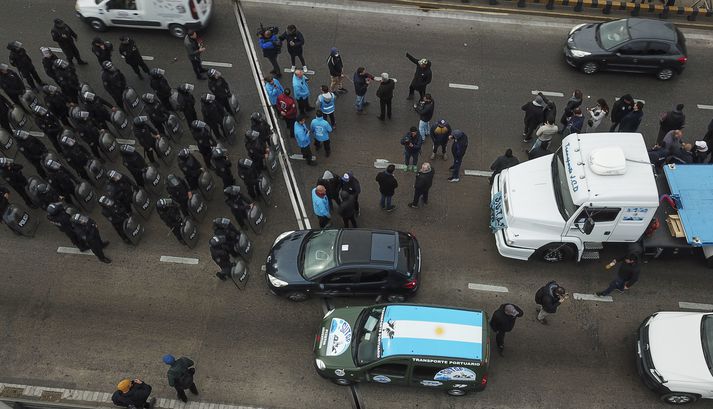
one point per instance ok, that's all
(534, 116)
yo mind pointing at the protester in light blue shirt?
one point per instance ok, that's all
(320, 205)
(303, 137)
(321, 130)
(301, 91)
(273, 88)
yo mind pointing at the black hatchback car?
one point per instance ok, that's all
(630, 45)
(334, 262)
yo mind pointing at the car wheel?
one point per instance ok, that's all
(395, 298)
(665, 74)
(456, 392)
(96, 24)
(297, 296)
(679, 398)
(177, 30)
(590, 68)
(342, 382)
(555, 252)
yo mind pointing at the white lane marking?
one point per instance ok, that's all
(548, 93)
(383, 163)
(486, 287)
(298, 156)
(635, 100)
(469, 172)
(179, 260)
(74, 250)
(125, 141)
(144, 57)
(700, 106)
(218, 64)
(289, 71)
(592, 297)
(695, 306)
(463, 86)
(55, 49)
(37, 134)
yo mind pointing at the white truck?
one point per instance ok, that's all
(596, 189)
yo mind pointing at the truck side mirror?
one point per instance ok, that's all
(588, 226)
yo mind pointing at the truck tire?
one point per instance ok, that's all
(97, 25)
(555, 252)
(177, 30)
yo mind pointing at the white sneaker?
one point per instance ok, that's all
(292, 69)
(304, 68)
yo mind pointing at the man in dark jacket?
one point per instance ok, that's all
(627, 275)
(424, 180)
(67, 79)
(572, 103)
(424, 108)
(63, 35)
(194, 49)
(501, 163)
(133, 393)
(385, 93)
(161, 87)
(180, 375)
(458, 148)
(549, 297)
(421, 78)
(86, 229)
(620, 109)
(412, 148)
(48, 59)
(336, 71)
(57, 103)
(23, 63)
(440, 133)
(102, 50)
(187, 102)
(351, 185)
(534, 116)
(295, 41)
(332, 184)
(116, 214)
(11, 83)
(132, 56)
(387, 187)
(57, 215)
(632, 120)
(271, 47)
(347, 209)
(361, 83)
(219, 87)
(114, 82)
(503, 321)
(675, 119)
(11, 173)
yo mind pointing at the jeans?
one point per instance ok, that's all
(539, 143)
(359, 103)
(411, 155)
(385, 201)
(456, 167)
(303, 105)
(418, 194)
(423, 129)
(616, 284)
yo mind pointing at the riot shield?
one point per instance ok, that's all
(239, 274)
(31, 188)
(153, 180)
(132, 102)
(108, 145)
(197, 207)
(271, 162)
(121, 123)
(164, 151)
(18, 119)
(173, 128)
(85, 195)
(20, 221)
(96, 172)
(244, 247)
(142, 203)
(256, 218)
(265, 189)
(206, 184)
(234, 104)
(29, 100)
(229, 129)
(8, 146)
(189, 233)
(133, 230)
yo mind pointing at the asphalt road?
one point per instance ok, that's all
(70, 321)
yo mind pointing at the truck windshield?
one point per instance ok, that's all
(561, 186)
(367, 335)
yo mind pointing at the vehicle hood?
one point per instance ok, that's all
(81, 5)
(676, 348)
(283, 258)
(585, 38)
(333, 344)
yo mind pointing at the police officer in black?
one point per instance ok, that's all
(11, 83)
(190, 167)
(204, 140)
(114, 82)
(86, 229)
(116, 214)
(223, 227)
(256, 149)
(186, 102)
(11, 173)
(23, 63)
(76, 154)
(120, 188)
(213, 114)
(250, 176)
(60, 179)
(99, 109)
(219, 87)
(47, 195)
(32, 149)
(134, 162)
(88, 131)
(221, 256)
(179, 191)
(170, 212)
(57, 214)
(239, 205)
(63, 35)
(57, 103)
(49, 124)
(161, 87)
(5, 108)
(48, 58)
(259, 123)
(147, 136)
(67, 79)
(156, 112)
(222, 165)
(132, 55)
(102, 49)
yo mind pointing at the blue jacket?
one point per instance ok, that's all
(320, 205)
(271, 47)
(299, 87)
(325, 102)
(460, 144)
(321, 129)
(414, 142)
(302, 135)
(274, 90)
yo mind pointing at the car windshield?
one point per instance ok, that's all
(561, 186)
(707, 339)
(319, 253)
(613, 33)
(367, 335)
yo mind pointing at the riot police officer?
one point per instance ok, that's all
(256, 149)
(88, 131)
(23, 63)
(99, 109)
(157, 113)
(47, 195)
(57, 214)
(223, 227)
(32, 149)
(48, 58)
(170, 212)
(77, 155)
(120, 188)
(114, 82)
(186, 102)
(57, 103)
(212, 114)
(116, 214)
(239, 205)
(190, 167)
(65, 37)
(49, 124)
(147, 136)
(220, 88)
(134, 162)
(221, 256)
(5, 108)
(102, 50)
(11, 83)
(132, 55)
(259, 123)
(61, 180)
(250, 176)
(222, 165)
(11, 173)
(67, 79)
(204, 140)
(179, 191)
(160, 85)
(86, 229)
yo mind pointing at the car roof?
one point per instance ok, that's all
(364, 246)
(417, 330)
(644, 28)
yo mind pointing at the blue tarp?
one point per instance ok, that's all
(692, 188)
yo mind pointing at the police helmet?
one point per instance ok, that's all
(4, 67)
(21, 135)
(157, 72)
(213, 73)
(172, 180)
(256, 116)
(185, 88)
(141, 120)
(127, 148)
(198, 124)
(89, 96)
(50, 89)
(106, 201)
(164, 203)
(217, 241)
(68, 141)
(107, 65)
(209, 98)
(79, 219)
(148, 98)
(184, 153)
(232, 190)
(54, 209)
(115, 175)
(79, 114)
(6, 161)
(39, 110)
(220, 222)
(251, 134)
(245, 162)
(60, 63)
(218, 152)
(43, 187)
(52, 164)
(14, 45)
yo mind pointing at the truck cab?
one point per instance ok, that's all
(596, 188)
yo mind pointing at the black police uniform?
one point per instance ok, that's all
(33, 150)
(89, 132)
(221, 257)
(132, 56)
(115, 84)
(249, 175)
(157, 114)
(136, 164)
(69, 82)
(191, 169)
(99, 111)
(47, 196)
(231, 233)
(171, 216)
(102, 53)
(57, 104)
(256, 150)
(48, 65)
(117, 214)
(12, 175)
(179, 193)
(220, 88)
(239, 205)
(60, 218)
(205, 142)
(63, 35)
(186, 103)
(12, 84)
(163, 90)
(5, 108)
(222, 166)
(51, 126)
(63, 182)
(145, 133)
(213, 115)
(89, 235)
(23, 62)
(77, 156)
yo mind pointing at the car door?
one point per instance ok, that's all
(372, 281)
(629, 56)
(657, 55)
(126, 13)
(605, 221)
(394, 372)
(339, 282)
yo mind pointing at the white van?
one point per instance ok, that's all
(176, 16)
